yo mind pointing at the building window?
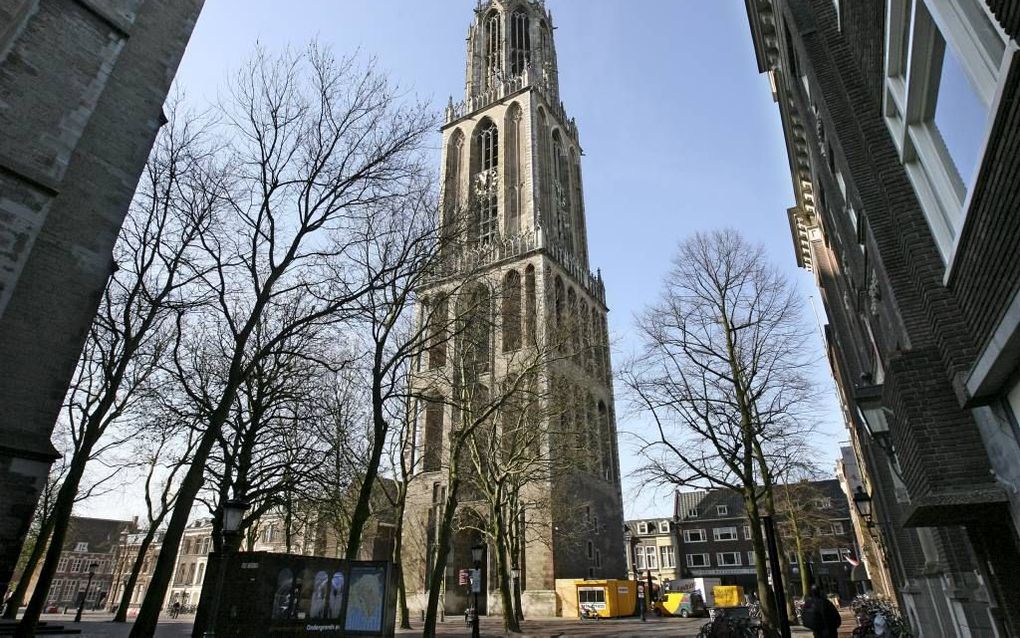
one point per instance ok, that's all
(747, 532)
(432, 456)
(598, 558)
(725, 533)
(62, 565)
(943, 67)
(666, 558)
(663, 527)
(81, 547)
(824, 503)
(694, 536)
(642, 528)
(728, 559)
(595, 596)
(698, 560)
(831, 556)
(692, 513)
(511, 311)
(486, 190)
(651, 560)
(837, 529)
(520, 42)
(639, 557)
(493, 61)
(793, 558)
(76, 565)
(750, 558)
(722, 510)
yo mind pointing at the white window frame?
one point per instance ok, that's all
(701, 533)
(728, 530)
(639, 557)
(747, 532)
(663, 527)
(908, 99)
(692, 513)
(722, 510)
(667, 558)
(839, 555)
(81, 547)
(642, 528)
(750, 558)
(838, 529)
(707, 560)
(651, 557)
(722, 563)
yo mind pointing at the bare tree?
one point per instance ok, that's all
(128, 338)
(316, 148)
(723, 376)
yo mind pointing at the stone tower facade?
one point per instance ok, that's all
(512, 172)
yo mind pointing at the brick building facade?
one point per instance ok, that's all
(83, 83)
(89, 541)
(714, 540)
(902, 125)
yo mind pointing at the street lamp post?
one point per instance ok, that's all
(81, 605)
(477, 552)
(233, 514)
(515, 572)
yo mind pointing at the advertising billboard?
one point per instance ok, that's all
(266, 594)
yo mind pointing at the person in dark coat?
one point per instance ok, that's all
(820, 615)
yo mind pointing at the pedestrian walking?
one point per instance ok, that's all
(176, 609)
(820, 615)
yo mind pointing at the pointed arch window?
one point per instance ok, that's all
(476, 330)
(451, 186)
(561, 188)
(530, 306)
(514, 153)
(558, 303)
(493, 61)
(432, 454)
(438, 334)
(486, 181)
(511, 311)
(520, 42)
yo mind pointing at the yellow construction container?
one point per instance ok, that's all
(610, 598)
(728, 595)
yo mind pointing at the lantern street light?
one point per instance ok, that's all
(233, 515)
(862, 501)
(85, 594)
(477, 552)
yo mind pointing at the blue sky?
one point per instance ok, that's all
(679, 130)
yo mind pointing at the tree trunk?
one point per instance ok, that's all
(148, 615)
(364, 506)
(438, 574)
(502, 553)
(758, 542)
(136, 569)
(398, 544)
(61, 516)
(16, 599)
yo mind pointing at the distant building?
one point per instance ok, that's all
(714, 540)
(129, 546)
(651, 550)
(83, 84)
(189, 571)
(89, 541)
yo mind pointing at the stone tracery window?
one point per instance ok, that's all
(561, 189)
(433, 443)
(486, 179)
(451, 187)
(511, 311)
(514, 159)
(493, 61)
(520, 42)
(530, 306)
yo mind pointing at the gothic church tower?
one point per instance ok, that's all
(511, 168)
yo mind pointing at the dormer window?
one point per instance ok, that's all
(722, 510)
